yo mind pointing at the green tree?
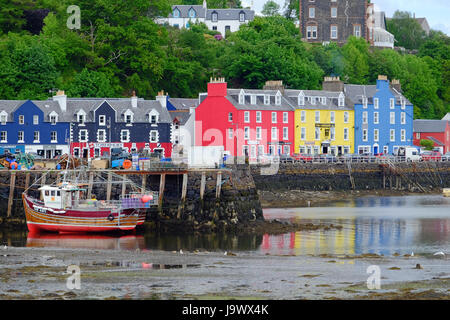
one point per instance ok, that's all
(427, 144)
(356, 66)
(406, 30)
(12, 18)
(271, 8)
(91, 84)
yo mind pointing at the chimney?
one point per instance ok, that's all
(382, 82)
(397, 85)
(274, 85)
(62, 100)
(217, 87)
(162, 98)
(333, 84)
(134, 100)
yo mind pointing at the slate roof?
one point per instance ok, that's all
(230, 14)
(446, 117)
(184, 11)
(233, 97)
(331, 102)
(356, 92)
(183, 104)
(430, 125)
(183, 116)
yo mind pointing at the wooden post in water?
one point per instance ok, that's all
(202, 185)
(12, 185)
(27, 180)
(43, 179)
(91, 182)
(108, 186)
(162, 184)
(144, 182)
(184, 187)
(124, 185)
(218, 184)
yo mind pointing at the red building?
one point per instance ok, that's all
(437, 131)
(253, 122)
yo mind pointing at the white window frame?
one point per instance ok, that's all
(21, 119)
(403, 135)
(317, 116)
(127, 139)
(285, 133)
(86, 132)
(230, 133)
(285, 117)
(156, 140)
(247, 116)
(403, 118)
(312, 12)
(55, 138)
(38, 137)
(346, 116)
(266, 99)
(376, 135)
(302, 133)
(274, 117)
(392, 103)
(376, 103)
(258, 116)
(376, 117)
(365, 117)
(392, 117)
(258, 133)
(317, 134)
(35, 119)
(246, 133)
(334, 32)
(102, 120)
(274, 133)
(346, 134)
(392, 135)
(21, 133)
(4, 136)
(104, 135)
(303, 116)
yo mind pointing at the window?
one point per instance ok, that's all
(274, 133)
(376, 118)
(54, 136)
(76, 152)
(317, 134)
(312, 12)
(392, 135)
(278, 99)
(285, 117)
(3, 136)
(153, 119)
(332, 117)
(311, 32)
(258, 116)
(246, 133)
(365, 137)
(36, 137)
(176, 13)
(285, 133)
(345, 117)
(192, 13)
(287, 149)
(274, 117)
(392, 103)
(230, 133)
(403, 104)
(53, 119)
(303, 116)
(20, 137)
(247, 116)
(230, 117)
(129, 118)
(253, 99)
(364, 117)
(81, 119)
(124, 135)
(334, 32)
(317, 116)
(403, 118)
(242, 17)
(365, 102)
(3, 119)
(21, 120)
(313, 100)
(375, 135)
(323, 100)
(346, 149)
(83, 135)
(418, 135)
(101, 136)
(392, 117)
(334, 12)
(214, 17)
(403, 135)
(333, 133)
(102, 120)
(376, 103)
(357, 31)
(258, 133)
(266, 99)
(154, 136)
(303, 133)
(241, 99)
(260, 150)
(35, 119)
(341, 100)
(214, 28)
(346, 134)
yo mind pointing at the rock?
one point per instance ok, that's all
(418, 266)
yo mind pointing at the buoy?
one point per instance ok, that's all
(14, 165)
(127, 164)
(147, 198)
(147, 265)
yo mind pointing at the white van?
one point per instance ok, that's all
(409, 153)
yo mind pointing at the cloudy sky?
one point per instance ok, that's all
(437, 12)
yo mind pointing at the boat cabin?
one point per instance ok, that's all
(61, 197)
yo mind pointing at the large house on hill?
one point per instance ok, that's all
(221, 20)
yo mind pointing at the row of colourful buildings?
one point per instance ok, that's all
(339, 119)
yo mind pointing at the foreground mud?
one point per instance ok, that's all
(35, 273)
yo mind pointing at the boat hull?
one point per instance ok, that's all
(78, 221)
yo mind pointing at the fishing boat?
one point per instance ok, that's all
(68, 207)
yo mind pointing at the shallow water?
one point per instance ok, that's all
(381, 225)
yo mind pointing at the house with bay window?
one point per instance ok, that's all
(383, 116)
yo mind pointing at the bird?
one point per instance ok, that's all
(412, 254)
(181, 251)
(5, 247)
(440, 253)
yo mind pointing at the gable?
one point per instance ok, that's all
(28, 109)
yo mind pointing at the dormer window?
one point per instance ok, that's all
(301, 99)
(102, 120)
(242, 17)
(176, 13)
(81, 117)
(153, 117)
(278, 99)
(266, 99)
(192, 13)
(241, 98)
(53, 116)
(128, 117)
(324, 100)
(253, 99)
(341, 100)
(214, 17)
(365, 102)
(313, 100)
(3, 117)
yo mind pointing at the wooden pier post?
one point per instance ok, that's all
(124, 185)
(108, 186)
(218, 184)
(202, 185)
(184, 187)
(27, 180)
(91, 182)
(12, 185)
(162, 184)
(43, 179)
(144, 183)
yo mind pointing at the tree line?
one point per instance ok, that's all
(119, 48)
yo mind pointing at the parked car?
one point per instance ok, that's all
(431, 156)
(303, 157)
(286, 158)
(408, 154)
(325, 158)
(349, 157)
(446, 157)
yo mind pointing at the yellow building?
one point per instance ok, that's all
(324, 122)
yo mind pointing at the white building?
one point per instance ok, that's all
(378, 34)
(221, 20)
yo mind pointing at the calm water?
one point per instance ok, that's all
(387, 225)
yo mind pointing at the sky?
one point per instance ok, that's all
(437, 12)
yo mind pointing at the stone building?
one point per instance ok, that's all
(323, 21)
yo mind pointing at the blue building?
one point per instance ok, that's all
(33, 126)
(383, 117)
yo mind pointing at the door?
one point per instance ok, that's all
(48, 154)
(85, 153)
(375, 150)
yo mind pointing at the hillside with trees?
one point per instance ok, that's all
(119, 48)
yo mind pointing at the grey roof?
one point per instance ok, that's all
(183, 116)
(183, 104)
(446, 117)
(233, 97)
(430, 125)
(331, 101)
(230, 14)
(88, 105)
(435, 141)
(356, 92)
(184, 11)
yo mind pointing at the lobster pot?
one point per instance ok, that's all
(131, 203)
